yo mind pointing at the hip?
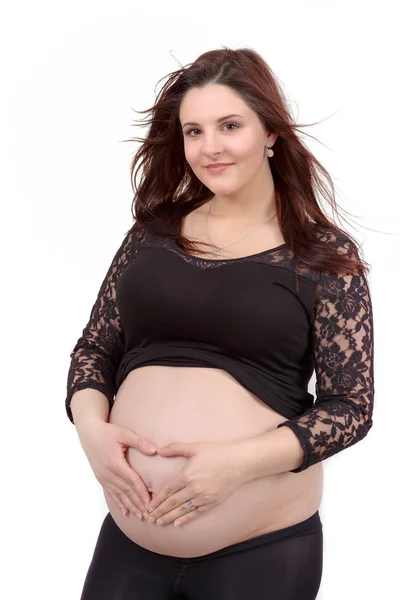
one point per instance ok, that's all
(286, 565)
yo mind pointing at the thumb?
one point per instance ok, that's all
(132, 439)
(177, 449)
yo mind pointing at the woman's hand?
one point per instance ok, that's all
(214, 470)
(105, 445)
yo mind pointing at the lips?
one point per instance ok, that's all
(217, 168)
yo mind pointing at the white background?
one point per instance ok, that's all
(72, 73)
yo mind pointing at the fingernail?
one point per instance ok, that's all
(160, 522)
(138, 516)
(177, 523)
(124, 511)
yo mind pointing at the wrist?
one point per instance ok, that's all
(245, 463)
(273, 452)
(89, 425)
(89, 405)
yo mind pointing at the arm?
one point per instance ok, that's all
(88, 405)
(98, 352)
(343, 356)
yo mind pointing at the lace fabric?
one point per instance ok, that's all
(343, 357)
(342, 346)
(99, 350)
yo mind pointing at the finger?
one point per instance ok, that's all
(119, 485)
(132, 439)
(133, 480)
(174, 502)
(177, 449)
(167, 491)
(125, 504)
(126, 499)
(129, 492)
(126, 479)
(117, 502)
(177, 514)
(186, 518)
(121, 501)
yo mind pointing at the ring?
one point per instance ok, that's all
(191, 505)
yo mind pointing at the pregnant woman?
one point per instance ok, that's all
(189, 384)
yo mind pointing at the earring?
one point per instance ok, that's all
(269, 152)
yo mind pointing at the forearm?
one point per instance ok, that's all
(89, 405)
(270, 453)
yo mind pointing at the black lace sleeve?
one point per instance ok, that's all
(98, 352)
(343, 356)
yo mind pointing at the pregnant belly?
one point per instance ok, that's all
(191, 404)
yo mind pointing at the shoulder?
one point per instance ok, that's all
(133, 238)
(126, 250)
(336, 239)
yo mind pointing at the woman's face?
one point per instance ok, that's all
(238, 139)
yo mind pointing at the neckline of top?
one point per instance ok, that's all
(217, 260)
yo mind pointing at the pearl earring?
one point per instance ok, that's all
(269, 152)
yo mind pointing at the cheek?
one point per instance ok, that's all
(249, 150)
(244, 156)
(192, 155)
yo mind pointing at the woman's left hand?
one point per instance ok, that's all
(214, 470)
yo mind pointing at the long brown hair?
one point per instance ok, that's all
(168, 189)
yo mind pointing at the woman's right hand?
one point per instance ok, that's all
(105, 445)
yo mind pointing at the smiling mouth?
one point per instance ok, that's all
(218, 168)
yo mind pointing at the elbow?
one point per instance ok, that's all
(365, 425)
(364, 415)
(360, 422)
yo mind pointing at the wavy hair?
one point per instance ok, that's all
(168, 189)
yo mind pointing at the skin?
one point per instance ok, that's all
(244, 193)
(205, 413)
(206, 407)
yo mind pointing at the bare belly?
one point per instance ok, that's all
(192, 404)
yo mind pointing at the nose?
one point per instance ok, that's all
(212, 145)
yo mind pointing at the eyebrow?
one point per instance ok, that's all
(217, 121)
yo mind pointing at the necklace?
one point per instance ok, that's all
(218, 249)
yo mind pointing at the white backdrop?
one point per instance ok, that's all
(71, 76)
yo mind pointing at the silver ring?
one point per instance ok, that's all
(191, 505)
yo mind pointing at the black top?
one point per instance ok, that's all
(267, 319)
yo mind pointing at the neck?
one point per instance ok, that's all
(251, 206)
(247, 211)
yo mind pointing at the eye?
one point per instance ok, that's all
(194, 129)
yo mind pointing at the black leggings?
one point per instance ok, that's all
(280, 565)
